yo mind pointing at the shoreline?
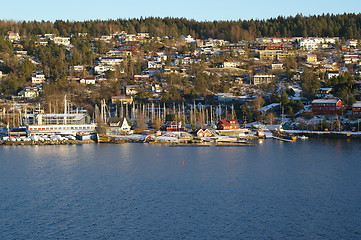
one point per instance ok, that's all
(190, 142)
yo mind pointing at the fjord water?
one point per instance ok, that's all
(305, 190)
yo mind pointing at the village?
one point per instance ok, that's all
(136, 87)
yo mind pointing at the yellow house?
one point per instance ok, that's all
(122, 99)
(311, 58)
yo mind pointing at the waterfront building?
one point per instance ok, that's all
(121, 127)
(204, 133)
(67, 123)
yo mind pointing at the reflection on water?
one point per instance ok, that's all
(308, 189)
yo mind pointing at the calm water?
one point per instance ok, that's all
(276, 190)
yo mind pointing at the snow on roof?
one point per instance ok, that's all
(357, 104)
(334, 100)
(270, 106)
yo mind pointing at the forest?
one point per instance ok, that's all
(345, 26)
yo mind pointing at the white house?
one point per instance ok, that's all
(125, 126)
(154, 64)
(62, 41)
(38, 78)
(131, 89)
(102, 68)
(78, 68)
(187, 39)
(331, 74)
(311, 43)
(111, 60)
(351, 43)
(13, 36)
(231, 64)
(263, 78)
(30, 92)
(87, 80)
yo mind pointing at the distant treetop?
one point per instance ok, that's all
(345, 26)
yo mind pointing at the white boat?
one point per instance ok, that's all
(303, 137)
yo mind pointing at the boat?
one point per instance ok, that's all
(303, 137)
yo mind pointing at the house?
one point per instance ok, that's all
(131, 89)
(121, 127)
(38, 78)
(332, 74)
(79, 68)
(351, 58)
(174, 126)
(156, 88)
(351, 43)
(88, 80)
(327, 106)
(311, 58)
(125, 126)
(62, 41)
(143, 36)
(224, 97)
(128, 48)
(276, 66)
(310, 43)
(262, 79)
(187, 39)
(204, 133)
(113, 61)
(227, 124)
(30, 92)
(13, 36)
(323, 92)
(122, 99)
(154, 64)
(144, 77)
(273, 55)
(102, 69)
(21, 53)
(356, 109)
(231, 64)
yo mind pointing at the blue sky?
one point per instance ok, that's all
(200, 10)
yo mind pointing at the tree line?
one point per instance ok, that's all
(346, 26)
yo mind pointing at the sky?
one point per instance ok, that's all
(79, 10)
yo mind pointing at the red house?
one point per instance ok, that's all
(128, 47)
(227, 124)
(327, 106)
